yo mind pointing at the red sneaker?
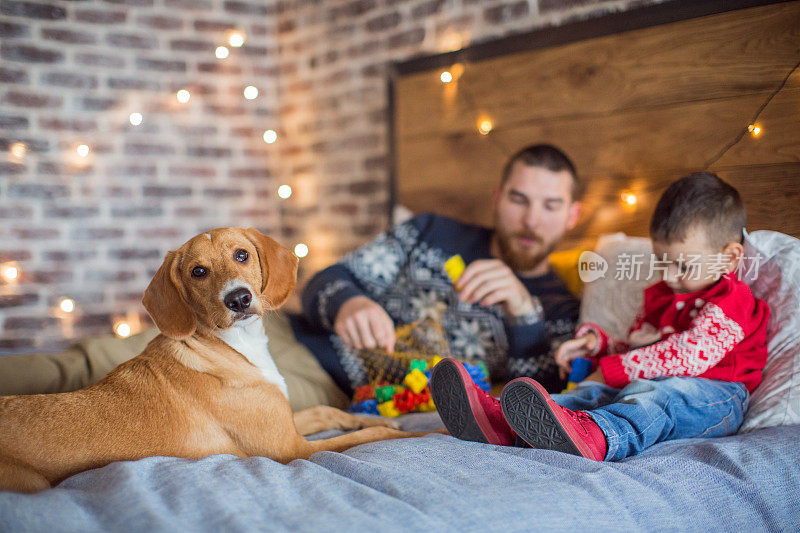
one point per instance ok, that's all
(468, 412)
(544, 424)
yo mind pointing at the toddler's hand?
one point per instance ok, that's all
(572, 349)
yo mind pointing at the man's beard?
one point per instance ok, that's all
(521, 261)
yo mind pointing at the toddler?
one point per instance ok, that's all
(694, 353)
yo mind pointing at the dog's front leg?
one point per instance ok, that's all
(322, 417)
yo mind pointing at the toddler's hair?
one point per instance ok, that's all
(703, 201)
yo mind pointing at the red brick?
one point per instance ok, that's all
(59, 124)
(96, 234)
(100, 60)
(407, 38)
(160, 65)
(70, 79)
(384, 22)
(127, 40)
(10, 30)
(37, 190)
(30, 54)
(68, 36)
(13, 122)
(9, 75)
(507, 13)
(100, 16)
(160, 22)
(14, 255)
(18, 300)
(35, 10)
(14, 212)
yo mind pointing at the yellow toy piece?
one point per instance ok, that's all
(454, 267)
(388, 409)
(434, 361)
(416, 381)
(426, 407)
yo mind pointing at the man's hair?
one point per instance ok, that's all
(703, 201)
(545, 156)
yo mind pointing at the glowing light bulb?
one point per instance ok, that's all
(446, 77)
(754, 129)
(183, 96)
(485, 126)
(251, 92)
(67, 305)
(284, 191)
(301, 250)
(9, 272)
(19, 149)
(122, 329)
(270, 136)
(628, 198)
(222, 52)
(236, 39)
(136, 118)
(83, 150)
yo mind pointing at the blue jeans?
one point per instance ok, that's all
(649, 411)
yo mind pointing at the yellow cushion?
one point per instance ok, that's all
(565, 264)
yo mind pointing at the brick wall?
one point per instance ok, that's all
(95, 228)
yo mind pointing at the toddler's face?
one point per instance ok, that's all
(692, 264)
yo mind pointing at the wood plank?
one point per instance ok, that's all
(682, 136)
(735, 53)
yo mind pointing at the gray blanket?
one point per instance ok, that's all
(748, 482)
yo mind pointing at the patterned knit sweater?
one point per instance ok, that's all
(402, 270)
(717, 333)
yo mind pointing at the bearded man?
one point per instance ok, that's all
(506, 309)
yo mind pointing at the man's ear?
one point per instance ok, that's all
(278, 268)
(574, 214)
(165, 303)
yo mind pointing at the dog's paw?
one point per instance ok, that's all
(370, 421)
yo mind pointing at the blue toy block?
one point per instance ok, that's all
(369, 407)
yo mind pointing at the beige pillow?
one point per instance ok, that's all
(89, 360)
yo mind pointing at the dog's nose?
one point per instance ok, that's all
(238, 300)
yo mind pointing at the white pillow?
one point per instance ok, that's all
(776, 280)
(612, 302)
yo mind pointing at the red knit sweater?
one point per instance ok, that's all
(717, 333)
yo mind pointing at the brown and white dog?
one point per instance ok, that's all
(206, 385)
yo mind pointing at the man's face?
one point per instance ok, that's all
(533, 210)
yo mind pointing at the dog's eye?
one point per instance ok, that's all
(199, 272)
(241, 255)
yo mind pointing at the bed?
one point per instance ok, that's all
(436, 483)
(749, 481)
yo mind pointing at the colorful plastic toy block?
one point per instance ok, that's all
(369, 407)
(388, 409)
(365, 392)
(581, 368)
(416, 381)
(454, 267)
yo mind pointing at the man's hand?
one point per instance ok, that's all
(572, 349)
(490, 281)
(362, 323)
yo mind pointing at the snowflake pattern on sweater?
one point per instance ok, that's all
(402, 270)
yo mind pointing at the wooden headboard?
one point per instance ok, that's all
(634, 108)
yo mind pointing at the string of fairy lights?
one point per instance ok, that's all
(11, 272)
(484, 124)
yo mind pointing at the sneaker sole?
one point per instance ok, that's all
(529, 413)
(454, 401)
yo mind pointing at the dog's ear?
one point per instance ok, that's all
(278, 268)
(165, 303)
